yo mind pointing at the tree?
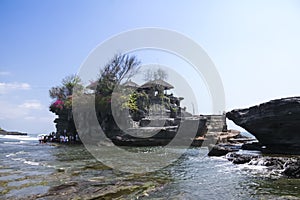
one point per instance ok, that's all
(70, 82)
(161, 74)
(66, 89)
(148, 76)
(121, 67)
(151, 75)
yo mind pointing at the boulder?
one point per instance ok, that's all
(275, 163)
(241, 158)
(217, 150)
(275, 124)
(256, 146)
(292, 168)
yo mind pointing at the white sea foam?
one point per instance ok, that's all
(20, 137)
(20, 142)
(31, 163)
(19, 159)
(28, 162)
(10, 155)
(252, 167)
(218, 158)
(17, 153)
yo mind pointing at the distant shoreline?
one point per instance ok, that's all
(3, 132)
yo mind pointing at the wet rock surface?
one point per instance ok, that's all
(275, 124)
(97, 190)
(130, 187)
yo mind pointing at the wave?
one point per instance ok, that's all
(17, 153)
(19, 142)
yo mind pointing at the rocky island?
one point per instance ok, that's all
(275, 124)
(131, 114)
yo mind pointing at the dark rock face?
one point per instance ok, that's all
(275, 124)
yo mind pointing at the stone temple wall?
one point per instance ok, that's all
(216, 123)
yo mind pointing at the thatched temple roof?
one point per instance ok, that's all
(157, 83)
(130, 84)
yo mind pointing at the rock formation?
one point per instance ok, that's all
(275, 124)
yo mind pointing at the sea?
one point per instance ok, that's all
(29, 170)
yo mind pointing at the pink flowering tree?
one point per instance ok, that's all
(62, 106)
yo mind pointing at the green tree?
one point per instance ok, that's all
(66, 89)
(122, 67)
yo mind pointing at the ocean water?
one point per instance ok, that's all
(29, 169)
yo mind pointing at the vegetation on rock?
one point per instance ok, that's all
(119, 68)
(62, 106)
(110, 89)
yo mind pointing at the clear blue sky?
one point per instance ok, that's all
(255, 46)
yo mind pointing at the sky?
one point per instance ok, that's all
(254, 44)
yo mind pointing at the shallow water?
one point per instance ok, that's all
(29, 169)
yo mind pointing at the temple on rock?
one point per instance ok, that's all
(146, 115)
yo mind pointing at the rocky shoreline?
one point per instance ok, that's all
(282, 165)
(286, 166)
